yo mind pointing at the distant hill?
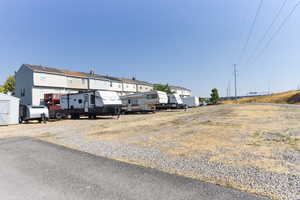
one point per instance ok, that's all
(290, 97)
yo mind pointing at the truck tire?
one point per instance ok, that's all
(58, 116)
(21, 120)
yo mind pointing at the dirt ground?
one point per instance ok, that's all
(262, 137)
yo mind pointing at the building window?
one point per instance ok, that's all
(42, 77)
(70, 81)
(141, 87)
(111, 84)
(83, 81)
(22, 92)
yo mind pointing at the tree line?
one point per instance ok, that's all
(214, 96)
(9, 85)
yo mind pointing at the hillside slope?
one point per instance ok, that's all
(290, 97)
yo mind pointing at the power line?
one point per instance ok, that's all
(278, 30)
(261, 40)
(250, 31)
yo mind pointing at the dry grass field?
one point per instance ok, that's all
(255, 148)
(290, 97)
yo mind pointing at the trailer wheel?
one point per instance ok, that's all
(58, 116)
(21, 120)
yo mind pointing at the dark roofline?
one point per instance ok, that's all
(111, 78)
(96, 76)
(52, 70)
(144, 83)
(40, 68)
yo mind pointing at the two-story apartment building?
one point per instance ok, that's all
(143, 86)
(129, 86)
(33, 81)
(115, 84)
(183, 92)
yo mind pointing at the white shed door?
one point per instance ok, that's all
(4, 112)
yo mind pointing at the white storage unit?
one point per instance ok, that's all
(191, 101)
(9, 110)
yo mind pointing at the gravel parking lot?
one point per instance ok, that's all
(254, 148)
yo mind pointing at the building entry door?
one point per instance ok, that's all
(86, 103)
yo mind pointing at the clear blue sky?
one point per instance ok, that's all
(192, 43)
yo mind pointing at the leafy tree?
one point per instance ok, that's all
(214, 96)
(9, 84)
(1, 89)
(163, 88)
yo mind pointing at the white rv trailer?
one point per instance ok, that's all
(143, 102)
(174, 99)
(91, 103)
(174, 102)
(191, 101)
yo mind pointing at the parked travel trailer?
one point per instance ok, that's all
(143, 102)
(28, 113)
(191, 101)
(174, 102)
(91, 103)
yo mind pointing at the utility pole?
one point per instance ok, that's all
(228, 90)
(235, 87)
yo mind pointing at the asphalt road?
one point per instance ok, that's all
(31, 169)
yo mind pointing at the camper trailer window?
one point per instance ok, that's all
(151, 96)
(74, 99)
(80, 101)
(92, 99)
(129, 102)
(38, 107)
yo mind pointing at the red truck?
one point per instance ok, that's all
(52, 101)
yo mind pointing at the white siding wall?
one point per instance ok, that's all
(77, 83)
(129, 87)
(182, 92)
(187, 93)
(38, 94)
(115, 86)
(50, 80)
(99, 84)
(144, 88)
